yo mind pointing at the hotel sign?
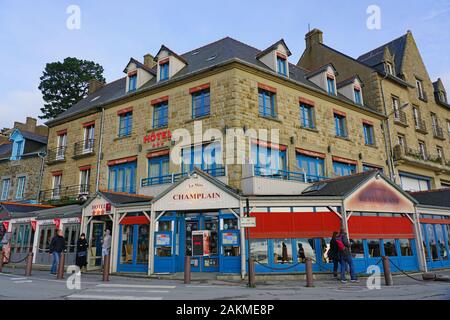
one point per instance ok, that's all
(158, 139)
(100, 209)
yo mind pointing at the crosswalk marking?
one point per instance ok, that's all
(108, 285)
(128, 290)
(105, 297)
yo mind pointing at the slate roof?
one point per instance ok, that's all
(10, 210)
(374, 58)
(198, 60)
(117, 198)
(142, 66)
(340, 186)
(5, 150)
(60, 212)
(436, 198)
(35, 137)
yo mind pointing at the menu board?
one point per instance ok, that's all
(163, 239)
(230, 238)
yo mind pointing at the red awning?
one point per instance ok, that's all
(380, 227)
(135, 220)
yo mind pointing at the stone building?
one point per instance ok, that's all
(119, 137)
(397, 84)
(22, 153)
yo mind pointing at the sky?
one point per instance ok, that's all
(33, 33)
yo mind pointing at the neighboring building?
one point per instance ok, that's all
(21, 162)
(397, 83)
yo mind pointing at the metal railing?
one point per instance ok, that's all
(421, 125)
(438, 132)
(287, 175)
(85, 147)
(63, 193)
(400, 117)
(57, 154)
(175, 177)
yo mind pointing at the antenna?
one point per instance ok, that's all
(309, 27)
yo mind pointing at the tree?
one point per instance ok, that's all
(64, 84)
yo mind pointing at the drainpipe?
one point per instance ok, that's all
(387, 134)
(419, 242)
(41, 175)
(99, 153)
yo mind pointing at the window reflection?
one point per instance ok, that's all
(432, 242)
(357, 248)
(374, 248)
(405, 247)
(441, 242)
(259, 249)
(389, 247)
(306, 249)
(282, 250)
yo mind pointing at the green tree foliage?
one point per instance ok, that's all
(65, 83)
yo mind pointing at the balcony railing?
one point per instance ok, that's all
(287, 175)
(64, 193)
(400, 118)
(438, 133)
(421, 126)
(83, 148)
(175, 177)
(57, 154)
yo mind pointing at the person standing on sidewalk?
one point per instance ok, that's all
(82, 247)
(333, 254)
(345, 257)
(106, 245)
(57, 246)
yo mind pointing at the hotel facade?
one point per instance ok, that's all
(315, 157)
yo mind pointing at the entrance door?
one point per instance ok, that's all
(46, 233)
(97, 228)
(71, 234)
(208, 260)
(133, 248)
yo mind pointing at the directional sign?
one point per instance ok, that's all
(248, 222)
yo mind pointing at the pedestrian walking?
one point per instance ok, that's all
(345, 257)
(106, 244)
(57, 246)
(284, 253)
(82, 247)
(333, 253)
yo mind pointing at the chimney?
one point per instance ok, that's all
(313, 37)
(149, 60)
(31, 124)
(94, 85)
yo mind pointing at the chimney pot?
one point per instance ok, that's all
(149, 60)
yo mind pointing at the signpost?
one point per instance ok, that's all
(249, 222)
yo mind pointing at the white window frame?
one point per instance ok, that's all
(419, 86)
(85, 176)
(20, 187)
(88, 140)
(5, 189)
(56, 189)
(61, 144)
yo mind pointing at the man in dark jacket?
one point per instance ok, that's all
(57, 245)
(333, 254)
(345, 257)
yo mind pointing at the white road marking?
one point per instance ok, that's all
(23, 281)
(106, 285)
(194, 286)
(128, 290)
(102, 297)
(16, 279)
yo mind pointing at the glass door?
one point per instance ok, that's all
(97, 229)
(133, 249)
(190, 226)
(46, 233)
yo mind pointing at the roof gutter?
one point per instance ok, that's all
(99, 152)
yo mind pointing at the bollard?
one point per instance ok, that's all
(29, 265)
(387, 271)
(60, 274)
(187, 270)
(251, 273)
(106, 261)
(309, 273)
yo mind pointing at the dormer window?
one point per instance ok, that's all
(164, 71)
(357, 91)
(132, 82)
(390, 68)
(18, 145)
(331, 85)
(419, 87)
(281, 64)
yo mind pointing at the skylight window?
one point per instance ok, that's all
(194, 53)
(95, 99)
(212, 57)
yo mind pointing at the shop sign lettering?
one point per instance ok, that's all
(158, 139)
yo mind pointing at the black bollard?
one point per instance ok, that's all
(106, 263)
(60, 274)
(29, 265)
(187, 270)
(387, 271)
(309, 273)
(251, 273)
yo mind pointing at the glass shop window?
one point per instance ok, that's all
(374, 248)
(127, 244)
(164, 251)
(357, 248)
(325, 249)
(211, 225)
(406, 247)
(306, 248)
(165, 226)
(282, 251)
(259, 250)
(389, 247)
(432, 242)
(231, 251)
(230, 224)
(441, 242)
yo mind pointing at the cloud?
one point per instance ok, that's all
(19, 104)
(435, 13)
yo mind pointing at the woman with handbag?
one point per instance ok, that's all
(82, 247)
